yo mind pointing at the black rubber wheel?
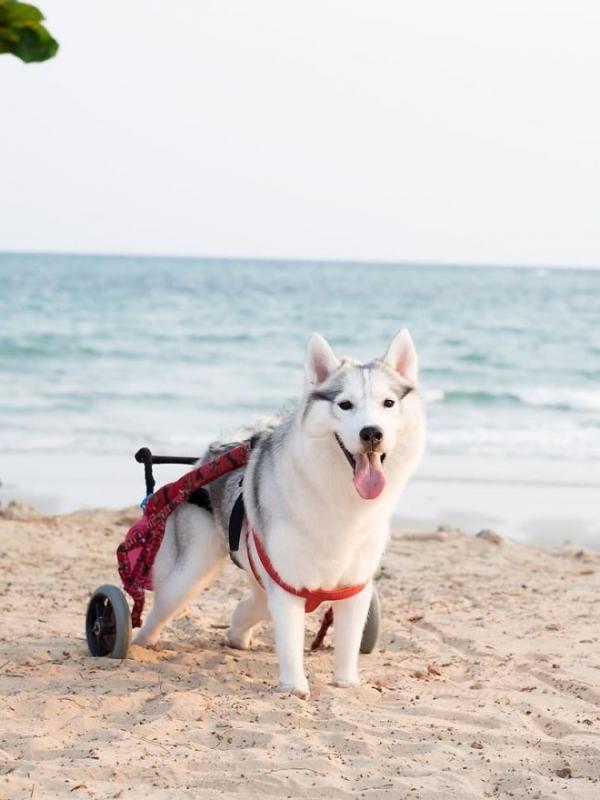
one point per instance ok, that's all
(108, 623)
(371, 629)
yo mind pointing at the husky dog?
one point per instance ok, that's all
(319, 490)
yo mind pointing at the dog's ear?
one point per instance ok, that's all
(402, 356)
(320, 360)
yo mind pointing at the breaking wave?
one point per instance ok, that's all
(554, 398)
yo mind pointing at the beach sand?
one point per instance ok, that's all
(485, 683)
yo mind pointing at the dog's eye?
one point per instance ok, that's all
(388, 403)
(345, 405)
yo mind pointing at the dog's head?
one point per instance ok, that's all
(364, 408)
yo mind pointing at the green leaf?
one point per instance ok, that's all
(35, 44)
(18, 12)
(8, 37)
(22, 34)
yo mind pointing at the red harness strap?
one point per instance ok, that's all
(313, 597)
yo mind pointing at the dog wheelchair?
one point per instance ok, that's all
(109, 621)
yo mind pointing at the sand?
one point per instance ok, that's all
(485, 683)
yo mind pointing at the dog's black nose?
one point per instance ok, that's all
(372, 435)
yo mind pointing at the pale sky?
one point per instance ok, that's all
(463, 131)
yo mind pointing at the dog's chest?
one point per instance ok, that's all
(326, 554)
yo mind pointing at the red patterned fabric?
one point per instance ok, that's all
(136, 554)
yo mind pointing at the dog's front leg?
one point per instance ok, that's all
(349, 617)
(287, 612)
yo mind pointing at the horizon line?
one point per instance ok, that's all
(306, 261)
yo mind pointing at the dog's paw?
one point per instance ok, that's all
(146, 641)
(238, 641)
(347, 682)
(299, 689)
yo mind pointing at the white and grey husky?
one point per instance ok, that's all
(319, 490)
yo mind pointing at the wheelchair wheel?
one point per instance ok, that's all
(371, 629)
(108, 623)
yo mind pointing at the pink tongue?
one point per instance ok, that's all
(368, 475)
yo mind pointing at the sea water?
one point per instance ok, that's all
(101, 355)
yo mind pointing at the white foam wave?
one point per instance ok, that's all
(563, 442)
(434, 395)
(558, 397)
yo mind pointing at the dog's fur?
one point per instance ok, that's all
(308, 507)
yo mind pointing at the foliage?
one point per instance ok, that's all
(22, 32)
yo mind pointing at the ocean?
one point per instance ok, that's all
(100, 355)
